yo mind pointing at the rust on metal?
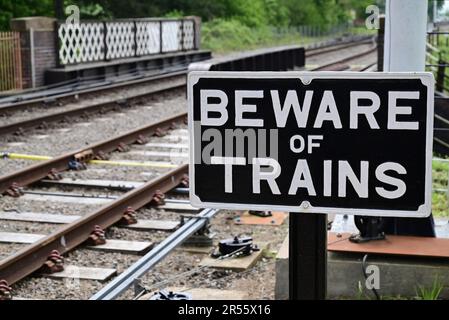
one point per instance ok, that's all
(159, 132)
(82, 112)
(159, 197)
(5, 290)
(84, 155)
(40, 170)
(141, 139)
(392, 245)
(68, 97)
(122, 147)
(341, 64)
(97, 237)
(129, 217)
(54, 263)
(54, 175)
(10, 62)
(102, 156)
(69, 236)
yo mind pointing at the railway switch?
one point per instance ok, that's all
(242, 246)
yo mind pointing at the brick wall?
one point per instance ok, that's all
(45, 55)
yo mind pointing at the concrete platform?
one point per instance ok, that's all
(105, 70)
(399, 276)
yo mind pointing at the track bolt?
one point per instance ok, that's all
(121, 147)
(54, 263)
(54, 175)
(158, 198)
(129, 217)
(159, 132)
(5, 290)
(173, 126)
(184, 181)
(141, 139)
(101, 156)
(97, 236)
(14, 190)
(43, 125)
(19, 132)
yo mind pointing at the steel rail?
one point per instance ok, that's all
(64, 95)
(31, 103)
(340, 64)
(103, 106)
(31, 258)
(121, 283)
(318, 51)
(39, 171)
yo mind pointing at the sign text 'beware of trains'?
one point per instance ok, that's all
(355, 143)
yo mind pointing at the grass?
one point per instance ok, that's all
(432, 293)
(440, 203)
(224, 36)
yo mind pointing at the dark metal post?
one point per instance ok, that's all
(59, 9)
(380, 44)
(105, 40)
(441, 75)
(135, 39)
(160, 37)
(182, 34)
(307, 256)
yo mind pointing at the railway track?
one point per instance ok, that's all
(117, 210)
(172, 81)
(123, 200)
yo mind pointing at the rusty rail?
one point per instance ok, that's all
(39, 171)
(31, 258)
(341, 64)
(66, 97)
(104, 106)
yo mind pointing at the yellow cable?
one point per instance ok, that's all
(104, 162)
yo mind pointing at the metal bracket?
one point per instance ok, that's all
(5, 291)
(97, 236)
(54, 263)
(129, 217)
(14, 190)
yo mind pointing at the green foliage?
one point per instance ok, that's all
(23, 8)
(430, 293)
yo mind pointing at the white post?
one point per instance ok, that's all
(405, 35)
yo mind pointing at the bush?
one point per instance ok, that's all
(229, 35)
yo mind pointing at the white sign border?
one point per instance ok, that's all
(427, 80)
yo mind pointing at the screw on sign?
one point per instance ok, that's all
(355, 143)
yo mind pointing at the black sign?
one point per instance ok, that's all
(355, 143)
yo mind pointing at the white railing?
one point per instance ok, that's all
(104, 41)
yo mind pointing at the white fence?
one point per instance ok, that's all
(103, 41)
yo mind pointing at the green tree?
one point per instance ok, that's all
(23, 8)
